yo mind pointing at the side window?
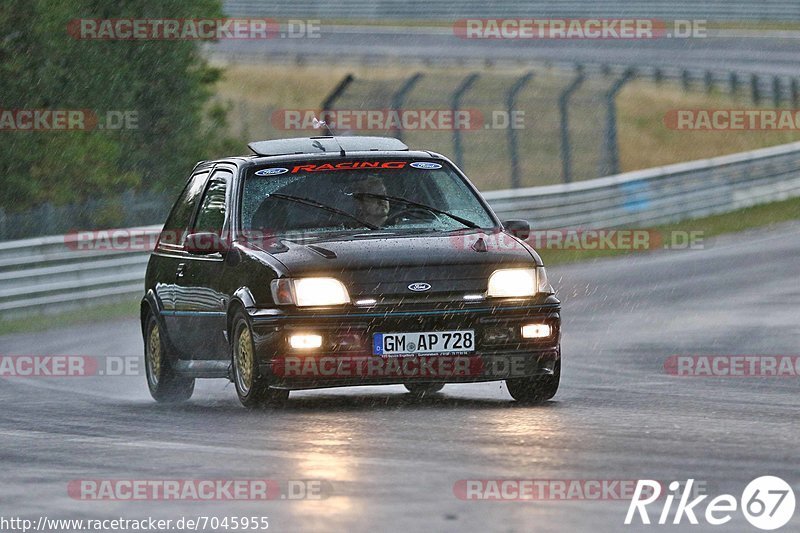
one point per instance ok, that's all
(181, 215)
(211, 217)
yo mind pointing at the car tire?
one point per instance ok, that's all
(421, 390)
(251, 387)
(536, 389)
(165, 385)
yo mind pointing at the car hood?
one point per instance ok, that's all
(384, 266)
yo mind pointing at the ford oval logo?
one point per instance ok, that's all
(271, 171)
(425, 165)
(419, 287)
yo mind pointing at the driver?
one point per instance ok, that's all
(370, 209)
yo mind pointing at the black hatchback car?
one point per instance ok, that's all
(338, 261)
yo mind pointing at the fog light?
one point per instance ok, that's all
(536, 331)
(305, 342)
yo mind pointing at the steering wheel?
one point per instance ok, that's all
(417, 213)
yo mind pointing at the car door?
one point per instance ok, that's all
(200, 302)
(169, 251)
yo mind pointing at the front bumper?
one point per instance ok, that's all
(346, 358)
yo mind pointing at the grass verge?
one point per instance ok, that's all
(122, 309)
(742, 219)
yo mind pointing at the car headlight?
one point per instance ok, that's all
(518, 282)
(305, 292)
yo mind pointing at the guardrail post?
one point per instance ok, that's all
(776, 91)
(610, 162)
(399, 97)
(455, 104)
(754, 89)
(3, 224)
(563, 111)
(337, 91)
(513, 152)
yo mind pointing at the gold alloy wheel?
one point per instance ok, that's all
(244, 360)
(154, 351)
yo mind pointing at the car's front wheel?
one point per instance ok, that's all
(251, 387)
(164, 384)
(536, 389)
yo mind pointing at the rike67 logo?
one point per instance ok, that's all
(767, 502)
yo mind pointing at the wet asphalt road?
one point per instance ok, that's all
(391, 463)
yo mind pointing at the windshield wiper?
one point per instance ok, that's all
(314, 203)
(468, 223)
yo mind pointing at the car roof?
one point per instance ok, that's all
(326, 144)
(323, 147)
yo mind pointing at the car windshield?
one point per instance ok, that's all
(390, 196)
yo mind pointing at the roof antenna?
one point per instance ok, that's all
(319, 124)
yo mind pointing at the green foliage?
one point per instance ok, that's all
(166, 84)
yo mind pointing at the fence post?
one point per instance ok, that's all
(709, 81)
(455, 104)
(658, 75)
(244, 115)
(513, 152)
(48, 219)
(754, 89)
(734, 81)
(563, 111)
(337, 91)
(610, 163)
(686, 80)
(776, 91)
(399, 97)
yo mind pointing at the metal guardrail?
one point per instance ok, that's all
(784, 10)
(62, 272)
(659, 195)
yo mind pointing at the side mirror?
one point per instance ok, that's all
(205, 243)
(518, 228)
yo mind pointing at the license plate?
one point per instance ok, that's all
(426, 342)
